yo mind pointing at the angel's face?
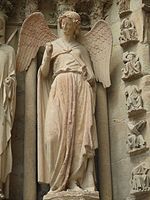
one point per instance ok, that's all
(68, 26)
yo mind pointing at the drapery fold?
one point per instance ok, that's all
(7, 107)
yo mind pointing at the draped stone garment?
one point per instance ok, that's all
(7, 108)
(67, 135)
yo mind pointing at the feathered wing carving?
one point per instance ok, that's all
(98, 41)
(34, 33)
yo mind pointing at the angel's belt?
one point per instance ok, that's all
(82, 73)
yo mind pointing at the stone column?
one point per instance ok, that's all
(29, 192)
(104, 167)
(30, 164)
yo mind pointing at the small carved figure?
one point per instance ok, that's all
(128, 31)
(66, 123)
(135, 140)
(124, 5)
(134, 100)
(7, 107)
(140, 179)
(132, 68)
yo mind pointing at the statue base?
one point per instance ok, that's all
(72, 195)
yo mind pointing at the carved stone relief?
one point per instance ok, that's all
(135, 141)
(132, 66)
(31, 6)
(90, 11)
(124, 7)
(128, 32)
(134, 101)
(7, 6)
(64, 5)
(140, 179)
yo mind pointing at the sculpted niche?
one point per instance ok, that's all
(140, 180)
(134, 101)
(124, 7)
(135, 141)
(7, 108)
(67, 136)
(128, 32)
(132, 66)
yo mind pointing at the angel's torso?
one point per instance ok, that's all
(68, 58)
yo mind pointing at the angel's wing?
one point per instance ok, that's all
(34, 33)
(98, 42)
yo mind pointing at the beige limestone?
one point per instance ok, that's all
(72, 168)
(135, 140)
(132, 66)
(60, 128)
(104, 167)
(29, 191)
(124, 7)
(122, 162)
(7, 108)
(72, 196)
(128, 32)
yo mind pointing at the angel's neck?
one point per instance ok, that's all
(68, 38)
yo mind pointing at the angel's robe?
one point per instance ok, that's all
(67, 136)
(7, 107)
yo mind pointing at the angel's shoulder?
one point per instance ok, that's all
(7, 48)
(83, 48)
(57, 41)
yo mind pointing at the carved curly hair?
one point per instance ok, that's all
(75, 17)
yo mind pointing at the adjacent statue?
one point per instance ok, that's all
(67, 136)
(7, 108)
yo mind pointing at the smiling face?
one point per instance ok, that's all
(68, 26)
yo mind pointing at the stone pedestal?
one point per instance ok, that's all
(70, 195)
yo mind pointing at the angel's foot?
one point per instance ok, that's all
(90, 189)
(74, 187)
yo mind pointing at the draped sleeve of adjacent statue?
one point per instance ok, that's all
(7, 107)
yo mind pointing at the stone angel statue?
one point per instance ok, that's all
(67, 136)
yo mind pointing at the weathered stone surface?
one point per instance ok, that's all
(123, 160)
(68, 195)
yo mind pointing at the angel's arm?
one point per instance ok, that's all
(88, 63)
(46, 60)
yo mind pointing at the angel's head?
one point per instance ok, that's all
(70, 23)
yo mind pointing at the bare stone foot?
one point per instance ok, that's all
(90, 189)
(74, 187)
